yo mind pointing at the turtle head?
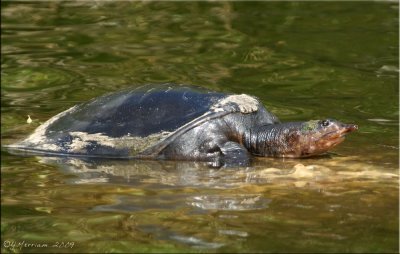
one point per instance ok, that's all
(299, 139)
(318, 136)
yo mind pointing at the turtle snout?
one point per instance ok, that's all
(347, 128)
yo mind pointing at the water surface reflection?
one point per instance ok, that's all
(193, 205)
(170, 175)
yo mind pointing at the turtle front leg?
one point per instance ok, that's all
(234, 155)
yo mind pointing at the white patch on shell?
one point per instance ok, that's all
(82, 139)
(135, 144)
(38, 138)
(246, 103)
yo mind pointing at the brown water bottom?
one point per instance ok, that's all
(340, 205)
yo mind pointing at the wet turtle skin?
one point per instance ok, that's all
(182, 123)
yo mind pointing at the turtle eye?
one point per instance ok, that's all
(325, 123)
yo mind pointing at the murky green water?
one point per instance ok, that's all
(304, 60)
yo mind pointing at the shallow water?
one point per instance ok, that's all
(304, 60)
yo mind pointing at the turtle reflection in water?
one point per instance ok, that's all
(180, 123)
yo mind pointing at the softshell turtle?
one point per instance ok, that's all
(180, 123)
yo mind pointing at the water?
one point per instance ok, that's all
(304, 60)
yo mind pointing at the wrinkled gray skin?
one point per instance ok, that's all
(180, 123)
(234, 137)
